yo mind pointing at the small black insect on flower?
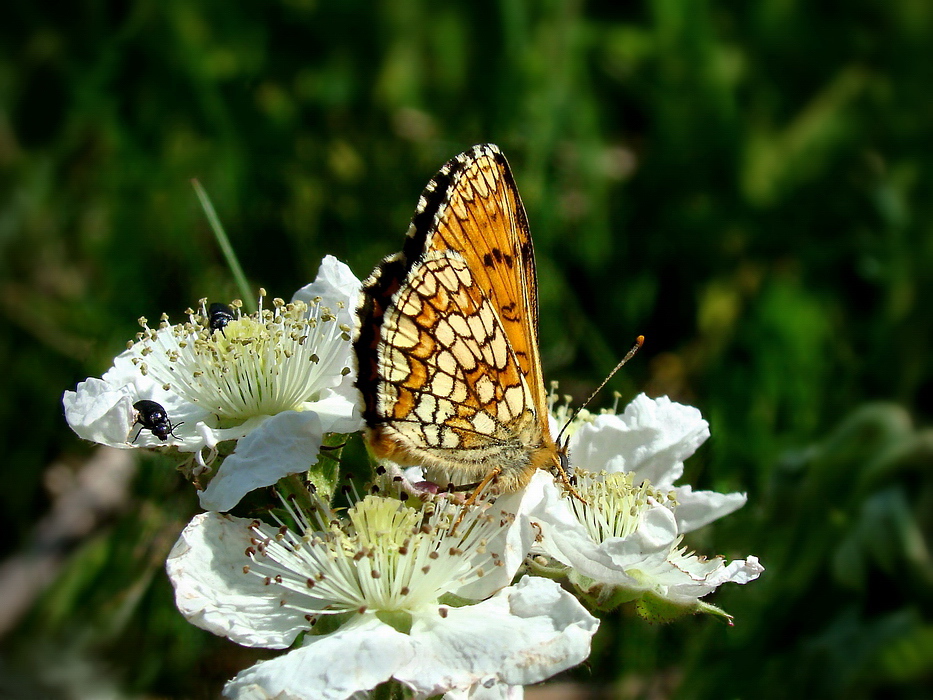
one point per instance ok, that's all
(153, 416)
(219, 315)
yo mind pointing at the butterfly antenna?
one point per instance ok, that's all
(639, 341)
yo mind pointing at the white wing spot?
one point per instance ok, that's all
(442, 384)
(500, 350)
(515, 399)
(476, 329)
(426, 408)
(460, 325)
(483, 423)
(403, 332)
(427, 285)
(444, 331)
(463, 353)
(485, 389)
(395, 367)
(432, 433)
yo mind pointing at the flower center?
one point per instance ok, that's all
(258, 364)
(613, 503)
(384, 557)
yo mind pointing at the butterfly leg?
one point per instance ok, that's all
(489, 478)
(328, 448)
(565, 479)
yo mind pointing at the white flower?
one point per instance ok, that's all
(388, 576)
(624, 542)
(275, 381)
(651, 439)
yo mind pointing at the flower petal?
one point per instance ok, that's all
(524, 634)
(698, 508)
(652, 438)
(338, 413)
(685, 578)
(100, 413)
(206, 567)
(357, 657)
(738, 571)
(337, 287)
(512, 543)
(101, 410)
(287, 443)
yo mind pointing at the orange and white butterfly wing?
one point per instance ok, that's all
(447, 346)
(484, 220)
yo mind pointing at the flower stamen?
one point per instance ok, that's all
(257, 364)
(613, 503)
(384, 556)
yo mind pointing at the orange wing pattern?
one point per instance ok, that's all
(447, 345)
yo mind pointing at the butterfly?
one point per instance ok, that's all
(447, 345)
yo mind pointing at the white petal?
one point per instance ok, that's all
(347, 386)
(524, 634)
(357, 657)
(337, 287)
(652, 438)
(413, 474)
(100, 413)
(738, 571)
(684, 578)
(698, 508)
(213, 436)
(613, 560)
(338, 413)
(542, 501)
(512, 543)
(287, 443)
(213, 592)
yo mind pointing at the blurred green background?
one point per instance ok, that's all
(749, 185)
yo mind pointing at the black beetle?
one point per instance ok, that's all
(219, 315)
(153, 416)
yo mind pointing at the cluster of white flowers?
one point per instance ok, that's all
(431, 597)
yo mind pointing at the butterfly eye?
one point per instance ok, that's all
(563, 457)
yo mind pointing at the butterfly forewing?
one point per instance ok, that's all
(485, 221)
(447, 347)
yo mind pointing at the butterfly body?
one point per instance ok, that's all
(447, 348)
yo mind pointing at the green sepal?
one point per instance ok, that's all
(390, 690)
(398, 620)
(324, 475)
(656, 609)
(327, 624)
(600, 596)
(547, 568)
